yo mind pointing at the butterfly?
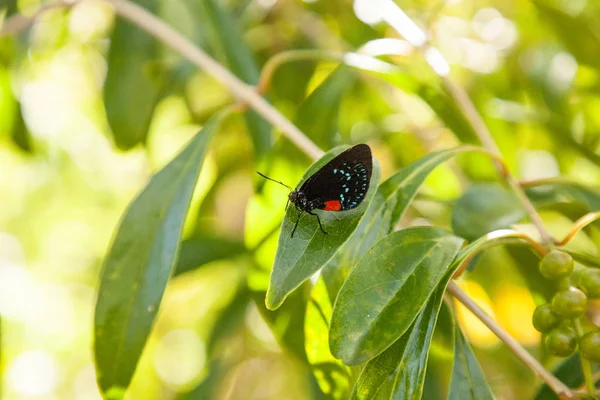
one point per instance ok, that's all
(339, 185)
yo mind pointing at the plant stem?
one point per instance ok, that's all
(269, 68)
(163, 32)
(585, 364)
(560, 388)
(579, 225)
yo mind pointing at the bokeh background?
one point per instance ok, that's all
(80, 135)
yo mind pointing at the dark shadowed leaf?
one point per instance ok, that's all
(134, 81)
(318, 114)
(139, 263)
(332, 376)
(201, 250)
(393, 197)
(483, 208)
(399, 372)
(298, 258)
(386, 290)
(468, 381)
(229, 46)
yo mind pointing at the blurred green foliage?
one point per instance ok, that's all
(91, 108)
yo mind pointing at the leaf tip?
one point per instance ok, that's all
(273, 300)
(114, 393)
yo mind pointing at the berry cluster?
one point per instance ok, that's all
(556, 319)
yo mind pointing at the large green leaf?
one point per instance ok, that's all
(331, 375)
(318, 114)
(399, 372)
(139, 263)
(468, 381)
(228, 44)
(301, 256)
(387, 289)
(483, 208)
(134, 81)
(392, 199)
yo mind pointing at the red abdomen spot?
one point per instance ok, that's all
(333, 205)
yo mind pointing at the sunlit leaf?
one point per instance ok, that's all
(399, 372)
(483, 208)
(332, 376)
(134, 81)
(393, 197)
(299, 257)
(140, 261)
(386, 290)
(318, 115)
(468, 381)
(229, 46)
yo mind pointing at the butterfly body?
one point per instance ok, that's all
(339, 185)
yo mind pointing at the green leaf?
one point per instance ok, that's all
(139, 263)
(392, 199)
(228, 44)
(576, 33)
(318, 114)
(468, 381)
(399, 372)
(387, 289)
(483, 208)
(298, 258)
(134, 81)
(332, 376)
(200, 250)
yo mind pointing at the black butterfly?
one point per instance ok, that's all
(339, 185)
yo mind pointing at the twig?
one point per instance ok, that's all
(577, 226)
(163, 32)
(560, 388)
(273, 63)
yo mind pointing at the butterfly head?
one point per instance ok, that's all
(298, 199)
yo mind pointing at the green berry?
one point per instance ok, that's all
(590, 346)
(569, 303)
(561, 341)
(556, 265)
(589, 280)
(544, 318)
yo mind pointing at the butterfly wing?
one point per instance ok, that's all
(343, 182)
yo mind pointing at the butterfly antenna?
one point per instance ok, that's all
(281, 183)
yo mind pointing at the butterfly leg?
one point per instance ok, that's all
(296, 225)
(318, 219)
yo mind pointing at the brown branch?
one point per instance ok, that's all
(560, 388)
(163, 32)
